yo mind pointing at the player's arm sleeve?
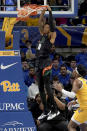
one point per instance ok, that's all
(69, 94)
(52, 27)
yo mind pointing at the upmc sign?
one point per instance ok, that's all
(14, 113)
(11, 106)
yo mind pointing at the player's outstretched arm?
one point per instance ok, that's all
(52, 27)
(71, 94)
(41, 21)
(53, 37)
(76, 85)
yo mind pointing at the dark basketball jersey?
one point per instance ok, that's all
(43, 47)
(43, 51)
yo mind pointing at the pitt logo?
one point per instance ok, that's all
(8, 87)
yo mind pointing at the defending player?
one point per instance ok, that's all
(80, 91)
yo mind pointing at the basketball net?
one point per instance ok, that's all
(29, 10)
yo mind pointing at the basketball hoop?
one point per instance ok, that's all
(29, 10)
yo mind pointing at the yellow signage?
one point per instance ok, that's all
(9, 53)
(8, 87)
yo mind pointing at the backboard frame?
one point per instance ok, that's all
(67, 14)
(57, 14)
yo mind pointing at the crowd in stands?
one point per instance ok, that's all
(62, 73)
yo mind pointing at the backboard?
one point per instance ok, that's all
(60, 8)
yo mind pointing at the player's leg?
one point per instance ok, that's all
(72, 126)
(41, 89)
(86, 129)
(49, 91)
(77, 119)
(42, 94)
(54, 109)
(83, 127)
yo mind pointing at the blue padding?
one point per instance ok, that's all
(17, 121)
(2, 40)
(16, 40)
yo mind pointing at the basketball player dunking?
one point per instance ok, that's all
(44, 65)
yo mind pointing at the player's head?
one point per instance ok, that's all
(81, 70)
(46, 28)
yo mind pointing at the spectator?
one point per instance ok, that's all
(55, 68)
(59, 58)
(23, 56)
(58, 94)
(36, 107)
(83, 8)
(52, 52)
(81, 58)
(72, 65)
(64, 77)
(30, 54)
(31, 77)
(73, 76)
(25, 68)
(33, 90)
(52, 2)
(59, 2)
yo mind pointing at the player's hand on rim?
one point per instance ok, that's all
(49, 8)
